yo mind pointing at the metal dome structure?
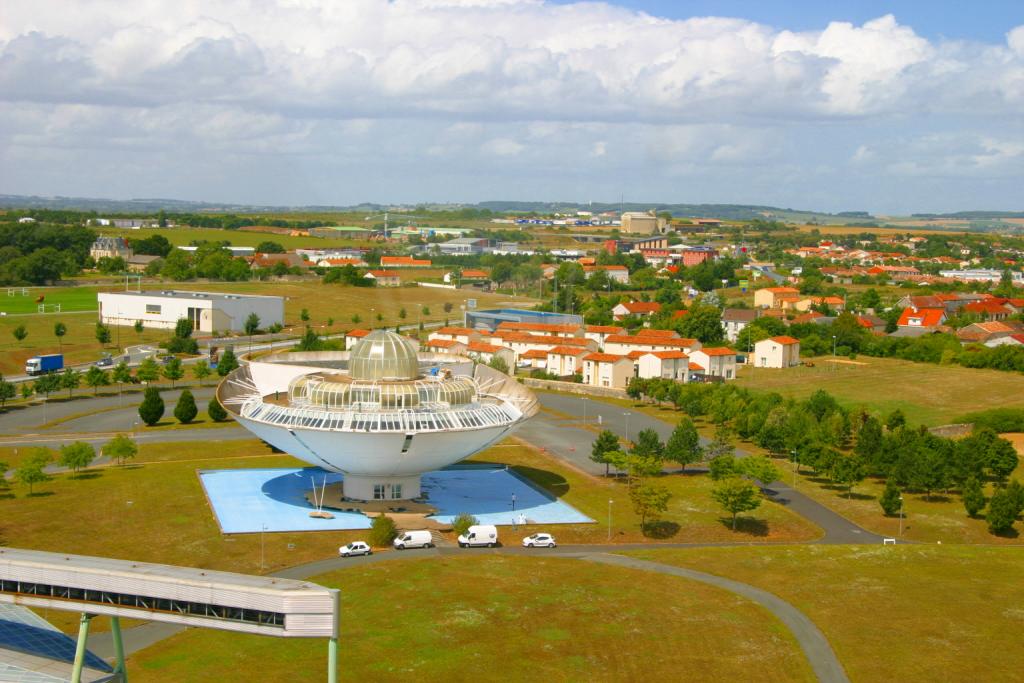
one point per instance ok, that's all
(382, 414)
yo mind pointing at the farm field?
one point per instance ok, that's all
(493, 618)
(322, 301)
(237, 238)
(892, 613)
(928, 394)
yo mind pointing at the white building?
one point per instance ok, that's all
(663, 365)
(607, 370)
(208, 311)
(777, 352)
(719, 361)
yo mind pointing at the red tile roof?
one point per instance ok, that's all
(785, 341)
(668, 355)
(928, 317)
(719, 351)
(539, 327)
(649, 341)
(442, 343)
(456, 331)
(403, 261)
(357, 333)
(988, 308)
(534, 353)
(566, 351)
(642, 306)
(659, 334)
(483, 347)
(605, 329)
(383, 273)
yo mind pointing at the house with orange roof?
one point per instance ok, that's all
(662, 364)
(485, 353)
(601, 332)
(638, 308)
(353, 336)
(623, 343)
(384, 278)
(649, 333)
(1011, 340)
(566, 360)
(989, 310)
(464, 335)
(777, 352)
(985, 331)
(534, 358)
(921, 319)
(608, 370)
(618, 274)
(404, 262)
(445, 346)
(717, 361)
(771, 297)
(542, 329)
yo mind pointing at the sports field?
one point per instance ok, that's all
(892, 613)
(493, 618)
(928, 394)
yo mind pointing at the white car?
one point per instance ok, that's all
(539, 541)
(355, 548)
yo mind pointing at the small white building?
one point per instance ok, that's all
(663, 365)
(777, 352)
(718, 361)
(483, 352)
(208, 311)
(607, 370)
(353, 337)
(566, 360)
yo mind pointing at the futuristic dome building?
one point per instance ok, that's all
(382, 414)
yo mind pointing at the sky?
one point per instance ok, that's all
(892, 108)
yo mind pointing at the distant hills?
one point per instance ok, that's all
(728, 212)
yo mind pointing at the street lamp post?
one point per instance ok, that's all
(793, 455)
(626, 415)
(263, 528)
(901, 516)
(610, 501)
(513, 502)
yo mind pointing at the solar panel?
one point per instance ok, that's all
(22, 630)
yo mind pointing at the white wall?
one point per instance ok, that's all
(117, 308)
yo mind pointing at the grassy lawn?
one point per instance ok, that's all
(237, 238)
(928, 394)
(69, 298)
(322, 301)
(940, 518)
(692, 515)
(892, 613)
(504, 619)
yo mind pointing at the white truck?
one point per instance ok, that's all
(413, 539)
(479, 535)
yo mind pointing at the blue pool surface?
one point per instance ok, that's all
(253, 500)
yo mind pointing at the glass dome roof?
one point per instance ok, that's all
(383, 355)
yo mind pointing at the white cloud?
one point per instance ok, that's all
(376, 82)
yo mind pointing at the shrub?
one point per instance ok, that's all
(216, 411)
(461, 524)
(152, 407)
(382, 531)
(186, 409)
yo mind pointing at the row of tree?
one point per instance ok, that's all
(152, 408)
(75, 456)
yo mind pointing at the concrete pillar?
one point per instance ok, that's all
(83, 639)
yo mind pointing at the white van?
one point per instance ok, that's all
(479, 534)
(413, 539)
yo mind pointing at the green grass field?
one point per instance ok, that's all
(892, 613)
(69, 298)
(928, 394)
(237, 238)
(504, 619)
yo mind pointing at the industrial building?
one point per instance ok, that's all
(208, 311)
(490, 319)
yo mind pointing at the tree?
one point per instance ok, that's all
(201, 370)
(895, 420)
(227, 362)
(736, 495)
(498, 363)
(462, 522)
(148, 370)
(77, 456)
(869, 440)
(252, 324)
(890, 500)
(683, 446)
(606, 442)
(139, 326)
(382, 531)
(310, 341)
(102, 334)
(20, 333)
(723, 466)
(304, 315)
(59, 330)
(122, 374)
(47, 383)
(448, 306)
(759, 468)
(32, 470)
(70, 379)
(185, 411)
(7, 392)
(1002, 512)
(973, 496)
(96, 377)
(152, 407)
(269, 247)
(702, 322)
(1001, 458)
(648, 501)
(402, 314)
(173, 370)
(216, 411)
(848, 470)
(648, 444)
(120, 449)
(355, 319)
